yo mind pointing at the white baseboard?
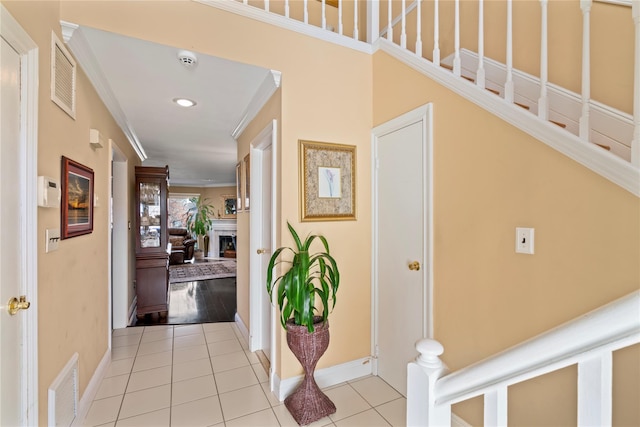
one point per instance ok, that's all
(325, 377)
(456, 421)
(242, 328)
(92, 388)
(132, 310)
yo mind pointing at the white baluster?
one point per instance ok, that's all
(286, 8)
(419, 28)
(245, 1)
(390, 24)
(480, 73)
(340, 17)
(436, 32)
(422, 376)
(635, 143)
(585, 5)
(266, 5)
(508, 85)
(543, 107)
(495, 407)
(324, 15)
(306, 12)
(594, 391)
(456, 40)
(403, 34)
(355, 19)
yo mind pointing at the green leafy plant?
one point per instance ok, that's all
(199, 216)
(309, 276)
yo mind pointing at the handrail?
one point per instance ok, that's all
(588, 341)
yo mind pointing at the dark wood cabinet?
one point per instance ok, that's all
(152, 239)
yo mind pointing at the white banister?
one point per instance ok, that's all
(419, 28)
(588, 341)
(635, 143)
(355, 20)
(584, 127)
(543, 105)
(390, 21)
(508, 85)
(422, 375)
(403, 31)
(480, 73)
(595, 379)
(456, 39)
(612, 326)
(436, 33)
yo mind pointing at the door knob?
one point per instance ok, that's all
(16, 304)
(261, 251)
(414, 266)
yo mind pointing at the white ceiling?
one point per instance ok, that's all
(138, 81)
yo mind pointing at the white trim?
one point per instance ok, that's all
(268, 87)
(18, 38)
(456, 421)
(242, 328)
(423, 115)
(325, 377)
(611, 167)
(92, 388)
(289, 24)
(80, 48)
(618, 2)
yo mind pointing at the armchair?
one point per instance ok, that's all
(182, 246)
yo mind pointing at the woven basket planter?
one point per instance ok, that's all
(308, 403)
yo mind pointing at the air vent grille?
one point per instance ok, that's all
(63, 77)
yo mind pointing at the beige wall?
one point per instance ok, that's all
(489, 178)
(214, 194)
(72, 281)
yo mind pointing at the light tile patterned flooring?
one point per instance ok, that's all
(204, 375)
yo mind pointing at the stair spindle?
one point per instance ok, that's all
(635, 143)
(390, 23)
(456, 43)
(324, 14)
(306, 12)
(480, 73)
(286, 8)
(266, 5)
(419, 29)
(508, 85)
(584, 130)
(403, 34)
(355, 21)
(543, 107)
(340, 17)
(436, 32)
(495, 407)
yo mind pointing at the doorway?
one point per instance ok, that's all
(403, 248)
(18, 223)
(119, 226)
(262, 237)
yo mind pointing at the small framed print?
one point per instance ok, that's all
(77, 199)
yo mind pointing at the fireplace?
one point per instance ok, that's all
(223, 238)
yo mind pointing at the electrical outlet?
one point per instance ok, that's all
(524, 240)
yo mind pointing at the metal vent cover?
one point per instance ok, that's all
(63, 77)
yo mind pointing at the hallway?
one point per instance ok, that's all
(204, 375)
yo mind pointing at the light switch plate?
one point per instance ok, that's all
(52, 236)
(524, 240)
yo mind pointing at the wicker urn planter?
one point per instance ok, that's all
(308, 403)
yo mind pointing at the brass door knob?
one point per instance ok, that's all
(414, 266)
(16, 304)
(261, 251)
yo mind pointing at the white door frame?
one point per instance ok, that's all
(424, 116)
(118, 243)
(268, 136)
(15, 35)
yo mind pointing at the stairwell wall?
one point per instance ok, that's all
(490, 178)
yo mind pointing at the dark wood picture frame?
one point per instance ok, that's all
(77, 199)
(247, 181)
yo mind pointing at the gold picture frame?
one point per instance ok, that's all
(228, 202)
(239, 187)
(247, 181)
(327, 181)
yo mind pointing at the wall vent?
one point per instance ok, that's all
(63, 395)
(63, 77)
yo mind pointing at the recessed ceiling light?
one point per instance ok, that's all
(184, 102)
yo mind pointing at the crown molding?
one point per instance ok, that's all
(267, 88)
(79, 46)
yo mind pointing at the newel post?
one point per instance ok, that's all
(422, 375)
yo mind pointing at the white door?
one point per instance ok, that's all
(265, 321)
(15, 368)
(402, 232)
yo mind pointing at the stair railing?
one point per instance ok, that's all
(588, 341)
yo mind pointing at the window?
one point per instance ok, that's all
(177, 208)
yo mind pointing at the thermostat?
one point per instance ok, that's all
(48, 192)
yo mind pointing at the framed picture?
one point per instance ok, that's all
(247, 181)
(228, 206)
(239, 187)
(327, 181)
(77, 199)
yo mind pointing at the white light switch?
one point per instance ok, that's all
(52, 237)
(524, 240)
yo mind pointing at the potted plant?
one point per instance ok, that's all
(199, 220)
(306, 293)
